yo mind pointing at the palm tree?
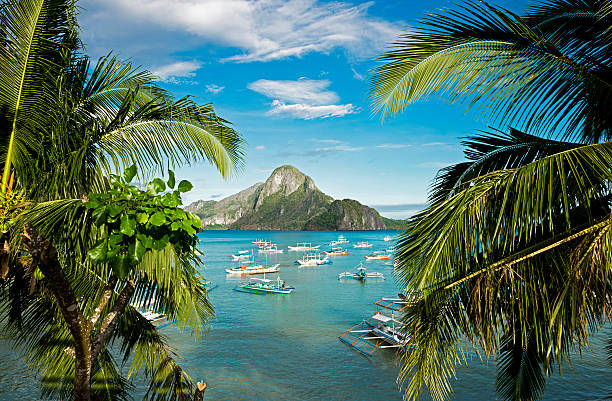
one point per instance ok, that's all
(68, 127)
(513, 253)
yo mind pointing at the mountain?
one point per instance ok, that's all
(288, 200)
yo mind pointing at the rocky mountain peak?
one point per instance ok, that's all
(286, 180)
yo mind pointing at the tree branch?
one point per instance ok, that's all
(110, 321)
(106, 296)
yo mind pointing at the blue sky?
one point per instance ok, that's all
(291, 75)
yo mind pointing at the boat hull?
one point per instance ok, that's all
(256, 290)
(238, 271)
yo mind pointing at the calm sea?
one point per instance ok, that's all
(286, 347)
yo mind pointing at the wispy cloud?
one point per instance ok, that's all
(357, 75)
(434, 144)
(268, 29)
(180, 69)
(393, 146)
(338, 148)
(214, 89)
(335, 141)
(260, 147)
(304, 98)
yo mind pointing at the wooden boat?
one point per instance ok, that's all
(249, 267)
(361, 273)
(341, 240)
(242, 255)
(378, 256)
(270, 249)
(263, 286)
(388, 238)
(362, 245)
(304, 246)
(312, 260)
(337, 252)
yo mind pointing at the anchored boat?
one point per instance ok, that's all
(336, 251)
(304, 246)
(263, 285)
(361, 273)
(313, 260)
(271, 249)
(378, 256)
(341, 240)
(242, 255)
(387, 238)
(363, 244)
(249, 267)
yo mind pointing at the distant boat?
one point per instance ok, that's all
(263, 285)
(248, 267)
(270, 249)
(337, 252)
(378, 256)
(313, 260)
(361, 273)
(242, 255)
(341, 240)
(258, 241)
(363, 244)
(304, 246)
(388, 238)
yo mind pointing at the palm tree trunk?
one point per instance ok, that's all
(82, 375)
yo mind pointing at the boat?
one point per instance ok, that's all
(391, 249)
(249, 267)
(265, 244)
(263, 286)
(304, 246)
(258, 241)
(381, 330)
(378, 256)
(388, 238)
(362, 244)
(242, 255)
(336, 251)
(361, 273)
(313, 260)
(341, 240)
(270, 249)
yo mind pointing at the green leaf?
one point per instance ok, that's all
(156, 186)
(99, 216)
(127, 226)
(97, 254)
(175, 225)
(121, 267)
(185, 186)
(161, 243)
(115, 239)
(139, 251)
(158, 219)
(171, 180)
(142, 218)
(145, 240)
(114, 209)
(130, 173)
(116, 181)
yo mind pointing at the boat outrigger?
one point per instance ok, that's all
(270, 249)
(378, 256)
(361, 273)
(362, 245)
(304, 246)
(263, 285)
(313, 260)
(380, 330)
(336, 251)
(249, 267)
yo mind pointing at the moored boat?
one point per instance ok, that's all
(263, 286)
(336, 251)
(313, 260)
(378, 256)
(249, 267)
(363, 244)
(271, 249)
(341, 240)
(242, 255)
(361, 273)
(388, 238)
(304, 246)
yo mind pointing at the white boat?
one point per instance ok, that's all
(249, 267)
(341, 240)
(361, 273)
(363, 244)
(337, 251)
(264, 285)
(270, 249)
(304, 246)
(391, 249)
(378, 256)
(242, 255)
(258, 241)
(388, 238)
(313, 260)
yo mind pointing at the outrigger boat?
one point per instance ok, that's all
(337, 252)
(313, 260)
(258, 241)
(270, 249)
(388, 238)
(378, 256)
(362, 245)
(263, 285)
(248, 267)
(380, 330)
(242, 255)
(341, 240)
(361, 273)
(304, 246)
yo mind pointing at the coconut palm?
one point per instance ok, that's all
(513, 253)
(67, 127)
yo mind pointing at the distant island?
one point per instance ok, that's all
(288, 200)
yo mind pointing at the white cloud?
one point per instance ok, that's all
(304, 90)
(339, 148)
(214, 89)
(435, 164)
(334, 141)
(435, 144)
(260, 147)
(180, 69)
(357, 75)
(268, 29)
(309, 112)
(304, 98)
(393, 146)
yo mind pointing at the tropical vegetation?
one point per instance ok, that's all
(81, 242)
(513, 254)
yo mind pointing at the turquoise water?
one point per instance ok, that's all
(286, 347)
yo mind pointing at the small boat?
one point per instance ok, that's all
(270, 249)
(265, 244)
(341, 240)
(336, 251)
(391, 249)
(248, 267)
(361, 273)
(304, 246)
(258, 241)
(378, 256)
(242, 255)
(388, 238)
(263, 285)
(313, 260)
(362, 244)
